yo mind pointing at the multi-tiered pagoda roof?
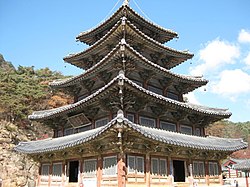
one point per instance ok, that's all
(126, 48)
(129, 102)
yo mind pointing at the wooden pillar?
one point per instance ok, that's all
(39, 175)
(137, 118)
(147, 168)
(158, 122)
(63, 173)
(121, 174)
(207, 173)
(220, 172)
(246, 174)
(50, 174)
(178, 128)
(80, 181)
(110, 115)
(99, 171)
(170, 172)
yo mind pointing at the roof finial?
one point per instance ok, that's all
(126, 2)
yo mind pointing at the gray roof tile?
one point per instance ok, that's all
(244, 165)
(159, 135)
(46, 114)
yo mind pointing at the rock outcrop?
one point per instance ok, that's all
(16, 169)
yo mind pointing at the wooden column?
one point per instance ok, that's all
(50, 174)
(178, 128)
(220, 172)
(39, 175)
(158, 122)
(207, 172)
(121, 174)
(99, 171)
(63, 172)
(170, 172)
(147, 167)
(80, 181)
(190, 171)
(137, 118)
(246, 174)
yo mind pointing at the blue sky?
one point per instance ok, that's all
(41, 32)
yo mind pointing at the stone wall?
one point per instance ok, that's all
(15, 169)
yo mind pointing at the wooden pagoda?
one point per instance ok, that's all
(129, 124)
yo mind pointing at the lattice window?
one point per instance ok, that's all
(198, 168)
(68, 131)
(163, 167)
(213, 169)
(148, 122)
(159, 166)
(155, 90)
(110, 165)
(57, 169)
(135, 164)
(173, 96)
(101, 122)
(84, 128)
(186, 129)
(197, 131)
(155, 166)
(168, 126)
(59, 133)
(138, 83)
(131, 164)
(45, 169)
(140, 165)
(131, 117)
(89, 168)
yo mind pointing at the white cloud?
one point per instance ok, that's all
(216, 54)
(232, 83)
(244, 36)
(247, 59)
(191, 98)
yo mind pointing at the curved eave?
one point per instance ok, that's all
(215, 112)
(52, 113)
(160, 47)
(180, 56)
(88, 36)
(48, 114)
(88, 72)
(74, 58)
(209, 143)
(61, 143)
(157, 135)
(181, 78)
(198, 81)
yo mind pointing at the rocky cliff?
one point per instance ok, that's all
(16, 169)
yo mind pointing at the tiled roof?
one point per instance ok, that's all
(97, 44)
(84, 36)
(72, 57)
(243, 166)
(159, 135)
(181, 78)
(181, 105)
